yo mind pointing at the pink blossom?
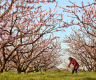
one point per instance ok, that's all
(82, 2)
(44, 1)
(87, 20)
(48, 1)
(61, 18)
(54, 8)
(88, 9)
(88, 2)
(55, 38)
(61, 7)
(71, 21)
(68, 6)
(31, 1)
(38, 1)
(77, 23)
(14, 5)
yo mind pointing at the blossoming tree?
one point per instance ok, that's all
(22, 24)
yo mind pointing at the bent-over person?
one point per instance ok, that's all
(75, 64)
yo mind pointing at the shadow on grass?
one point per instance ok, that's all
(88, 78)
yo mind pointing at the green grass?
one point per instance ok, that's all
(48, 76)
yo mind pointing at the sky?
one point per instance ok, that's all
(63, 3)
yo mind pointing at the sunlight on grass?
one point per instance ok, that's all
(48, 76)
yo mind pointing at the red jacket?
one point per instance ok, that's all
(75, 64)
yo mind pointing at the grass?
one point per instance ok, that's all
(48, 76)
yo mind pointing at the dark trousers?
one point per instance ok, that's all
(74, 70)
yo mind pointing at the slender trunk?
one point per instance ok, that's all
(45, 70)
(18, 70)
(3, 66)
(1, 70)
(4, 61)
(94, 69)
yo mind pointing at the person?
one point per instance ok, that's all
(75, 64)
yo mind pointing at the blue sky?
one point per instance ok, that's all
(63, 3)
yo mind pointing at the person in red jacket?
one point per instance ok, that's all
(75, 64)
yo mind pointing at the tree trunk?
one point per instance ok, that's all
(94, 69)
(1, 70)
(4, 60)
(2, 67)
(18, 70)
(45, 69)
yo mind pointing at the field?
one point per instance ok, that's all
(48, 76)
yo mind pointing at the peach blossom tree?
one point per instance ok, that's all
(22, 24)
